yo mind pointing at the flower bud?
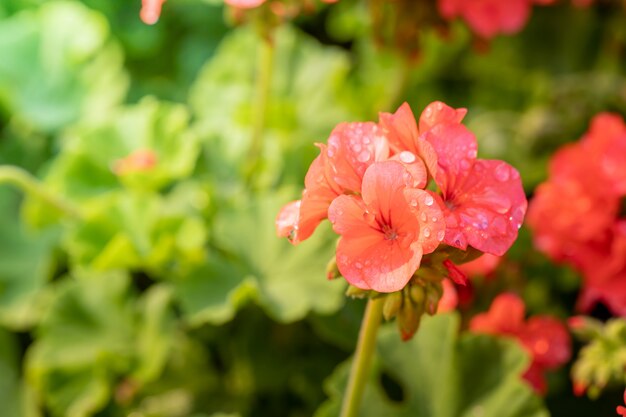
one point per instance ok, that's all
(332, 272)
(393, 303)
(408, 319)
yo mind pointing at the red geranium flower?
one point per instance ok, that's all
(544, 338)
(385, 233)
(484, 200)
(575, 215)
(369, 180)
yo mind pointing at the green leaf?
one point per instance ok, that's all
(92, 153)
(307, 99)
(94, 333)
(25, 266)
(58, 65)
(138, 231)
(443, 375)
(286, 281)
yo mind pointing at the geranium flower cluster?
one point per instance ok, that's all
(544, 338)
(577, 214)
(488, 18)
(375, 182)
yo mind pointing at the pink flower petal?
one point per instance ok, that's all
(437, 113)
(401, 130)
(382, 238)
(287, 219)
(487, 208)
(456, 150)
(352, 147)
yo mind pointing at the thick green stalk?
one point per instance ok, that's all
(362, 357)
(261, 100)
(31, 186)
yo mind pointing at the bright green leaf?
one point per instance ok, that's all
(25, 266)
(287, 281)
(58, 65)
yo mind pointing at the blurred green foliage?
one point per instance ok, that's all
(169, 295)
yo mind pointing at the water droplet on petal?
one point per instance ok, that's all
(465, 164)
(440, 235)
(434, 219)
(364, 156)
(413, 202)
(424, 217)
(502, 172)
(358, 265)
(429, 200)
(407, 157)
(426, 232)
(471, 153)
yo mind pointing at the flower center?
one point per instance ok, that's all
(389, 232)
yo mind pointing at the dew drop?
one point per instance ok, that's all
(358, 265)
(413, 203)
(440, 235)
(424, 217)
(471, 153)
(426, 232)
(465, 164)
(364, 156)
(434, 219)
(502, 173)
(407, 157)
(429, 200)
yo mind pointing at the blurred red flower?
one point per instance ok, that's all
(575, 215)
(488, 18)
(544, 338)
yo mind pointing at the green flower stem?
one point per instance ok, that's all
(362, 357)
(265, 68)
(30, 185)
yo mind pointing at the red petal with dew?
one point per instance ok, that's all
(381, 243)
(455, 147)
(352, 148)
(437, 113)
(487, 208)
(403, 135)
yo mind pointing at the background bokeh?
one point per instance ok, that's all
(168, 294)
